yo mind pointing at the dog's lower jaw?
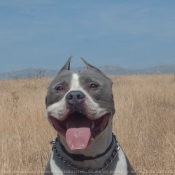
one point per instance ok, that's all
(98, 146)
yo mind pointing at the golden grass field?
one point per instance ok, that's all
(144, 124)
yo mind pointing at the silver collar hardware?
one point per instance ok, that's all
(82, 169)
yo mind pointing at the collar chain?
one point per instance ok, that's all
(82, 169)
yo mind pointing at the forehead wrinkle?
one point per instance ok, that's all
(60, 83)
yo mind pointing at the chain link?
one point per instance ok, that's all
(82, 169)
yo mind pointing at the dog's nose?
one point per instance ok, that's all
(75, 97)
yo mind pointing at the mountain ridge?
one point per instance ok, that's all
(108, 69)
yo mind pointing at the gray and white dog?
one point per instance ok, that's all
(80, 106)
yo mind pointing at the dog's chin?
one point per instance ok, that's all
(79, 127)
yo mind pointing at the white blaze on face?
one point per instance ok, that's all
(75, 84)
(59, 110)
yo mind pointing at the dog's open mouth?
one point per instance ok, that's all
(78, 129)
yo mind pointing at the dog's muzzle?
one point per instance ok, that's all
(78, 125)
(79, 129)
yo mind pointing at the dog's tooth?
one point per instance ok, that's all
(92, 125)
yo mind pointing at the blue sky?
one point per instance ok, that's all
(44, 33)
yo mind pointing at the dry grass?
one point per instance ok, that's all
(144, 124)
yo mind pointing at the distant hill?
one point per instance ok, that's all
(111, 70)
(28, 73)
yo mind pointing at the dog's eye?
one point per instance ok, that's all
(93, 86)
(59, 88)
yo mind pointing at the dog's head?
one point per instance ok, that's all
(80, 104)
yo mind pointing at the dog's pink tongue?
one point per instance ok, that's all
(78, 138)
(78, 132)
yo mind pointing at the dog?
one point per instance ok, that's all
(80, 107)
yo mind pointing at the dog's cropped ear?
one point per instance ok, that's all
(87, 64)
(98, 70)
(67, 65)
